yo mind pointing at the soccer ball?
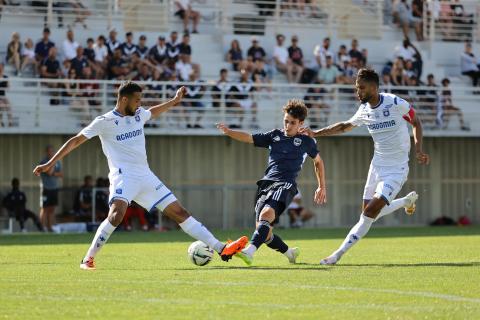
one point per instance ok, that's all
(199, 253)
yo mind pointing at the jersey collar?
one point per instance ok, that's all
(115, 112)
(379, 102)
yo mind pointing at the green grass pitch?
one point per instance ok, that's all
(394, 273)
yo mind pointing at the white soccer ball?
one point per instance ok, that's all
(199, 253)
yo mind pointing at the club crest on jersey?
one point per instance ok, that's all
(116, 122)
(297, 142)
(276, 138)
(137, 118)
(118, 191)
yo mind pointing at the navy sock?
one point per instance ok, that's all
(261, 234)
(276, 243)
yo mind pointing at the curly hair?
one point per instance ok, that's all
(296, 108)
(368, 75)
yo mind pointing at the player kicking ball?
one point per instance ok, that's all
(386, 117)
(288, 150)
(123, 143)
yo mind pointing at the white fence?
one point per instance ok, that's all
(65, 106)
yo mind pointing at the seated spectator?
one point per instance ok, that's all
(404, 17)
(244, 100)
(341, 56)
(192, 101)
(50, 69)
(295, 63)
(259, 75)
(14, 52)
(118, 68)
(348, 70)
(184, 68)
(318, 109)
(112, 42)
(101, 199)
(469, 64)
(89, 51)
(221, 90)
(90, 55)
(173, 49)
(235, 56)
(427, 108)
(128, 47)
(297, 212)
(101, 54)
(417, 15)
(280, 54)
(409, 70)
(398, 75)
(185, 12)
(448, 108)
(134, 210)
(81, 12)
(79, 62)
(15, 202)
(83, 200)
(386, 83)
(254, 53)
(321, 53)
(184, 46)
(158, 53)
(75, 100)
(28, 57)
(4, 103)
(89, 90)
(354, 52)
(42, 48)
(70, 46)
(140, 57)
(329, 73)
(407, 51)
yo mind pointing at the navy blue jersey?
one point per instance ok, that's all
(287, 154)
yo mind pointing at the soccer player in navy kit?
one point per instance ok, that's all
(288, 151)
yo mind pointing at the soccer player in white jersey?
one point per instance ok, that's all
(386, 117)
(123, 143)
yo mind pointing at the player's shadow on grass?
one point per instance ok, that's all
(410, 265)
(297, 266)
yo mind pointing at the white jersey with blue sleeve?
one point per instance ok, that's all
(387, 124)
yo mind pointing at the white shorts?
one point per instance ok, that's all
(148, 191)
(246, 104)
(385, 182)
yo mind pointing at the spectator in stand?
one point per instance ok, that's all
(428, 102)
(321, 53)
(470, 64)
(79, 62)
(83, 200)
(193, 96)
(185, 12)
(134, 210)
(280, 54)
(404, 16)
(222, 87)
(259, 75)
(112, 42)
(244, 96)
(398, 74)
(75, 98)
(386, 83)
(407, 51)
(128, 47)
(89, 90)
(158, 54)
(50, 69)
(357, 54)
(295, 62)
(235, 56)
(89, 51)
(318, 109)
(101, 53)
(173, 50)
(417, 14)
(101, 199)
(297, 212)
(81, 12)
(329, 74)
(254, 53)
(184, 46)
(14, 53)
(341, 56)
(409, 70)
(90, 54)
(184, 68)
(348, 70)
(448, 108)
(118, 68)
(42, 48)
(4, 103)
(15, 202)
(142, 50)
(49, 187)
(70, 46)
(28, 57)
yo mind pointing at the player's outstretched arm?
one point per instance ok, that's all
(234, 134)
(337, 128)
(422, 157)
(321, 192)
(68, 147)
(163, 107)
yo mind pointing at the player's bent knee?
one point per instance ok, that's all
(267, 214)
(117, 212)
(176, 212)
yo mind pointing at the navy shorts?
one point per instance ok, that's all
(274, 194)
(49, 198)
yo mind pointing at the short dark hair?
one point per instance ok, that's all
(128, 88)
(15, 182)
(129, 34)
(90, 40)
(368, 75)
(296, 108)
(223, 70)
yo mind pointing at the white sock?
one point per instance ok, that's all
(104, 231)
(250, 250)
(196, 230)
(356, 233)
(289, 253)
(394, 205)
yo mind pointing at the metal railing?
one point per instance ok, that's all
(451, 21)
(65, 106)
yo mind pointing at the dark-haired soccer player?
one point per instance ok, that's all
(123, 143)
(288, 150)
(386, 117)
